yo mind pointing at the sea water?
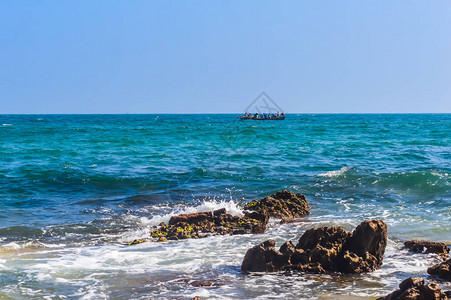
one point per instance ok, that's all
(74, 189)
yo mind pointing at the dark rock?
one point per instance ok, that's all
(190, 218)
(263, 258)
(323, 245)
(364, 250)
(288, 248)
(218, 212)
(283, 204)
(428, 247)
(414, 288)
(198, 225)
(411, 282)
(201, 283)
(448, 294)
(442, 270)
(289, 221)
(324, 250)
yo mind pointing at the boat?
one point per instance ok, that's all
(260, 117)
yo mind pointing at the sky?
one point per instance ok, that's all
(217, 56)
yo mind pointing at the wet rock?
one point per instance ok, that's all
(428, 247)
(283, 204)
(198, 225)
(323, 250)
(201, 283)
(442, 270)
(190, 218)
(323, 245)
(137, 241)
(364, 250)
(414, 288)
(289, 221)
(263, 258)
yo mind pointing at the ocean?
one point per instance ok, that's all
(74, 189)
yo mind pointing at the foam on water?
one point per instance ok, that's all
(335, 173)
(206, 205)
(167, 270)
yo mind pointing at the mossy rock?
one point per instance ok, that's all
(283, 204)
(137, 241)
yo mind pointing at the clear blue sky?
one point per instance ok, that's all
(217, 56)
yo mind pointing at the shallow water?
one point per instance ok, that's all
(74, 189)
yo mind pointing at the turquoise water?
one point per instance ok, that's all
(74, 187)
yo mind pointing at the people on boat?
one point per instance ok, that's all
(264, 116)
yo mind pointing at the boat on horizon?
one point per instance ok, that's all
(268, 116)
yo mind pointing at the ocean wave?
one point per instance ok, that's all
(418, 181)
(335, 173)
(231, 207)
(433, 181)
(20, 232)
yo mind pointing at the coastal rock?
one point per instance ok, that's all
(263, 258)
(137, 241)
(428, 247)
(442, 270)
(283, 204)
(414, 288)
(323, 250)
(364, 250)
(198, 225)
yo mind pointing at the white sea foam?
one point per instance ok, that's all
(166, 270)
(335, 173)
(208, 205)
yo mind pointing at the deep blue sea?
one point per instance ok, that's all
(75, 188)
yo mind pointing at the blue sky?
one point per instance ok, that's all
(217, 56)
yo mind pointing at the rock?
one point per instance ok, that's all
(283, 204)
(368, 242)
(442, 270)
(198, 225)
(137, 241)
(289, 221)
(428, 247)
(448, 294)
(263, 258)
(201, 283)
(414, 288)
(323, 246)
(323, 250)
(190, 218)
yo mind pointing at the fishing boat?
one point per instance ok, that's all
(262, 117)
